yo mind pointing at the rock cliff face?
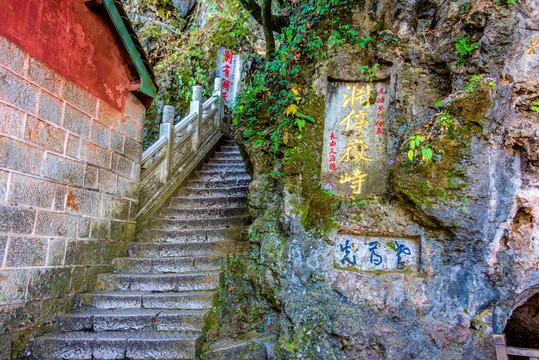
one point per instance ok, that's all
(471, 205)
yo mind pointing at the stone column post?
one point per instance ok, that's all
(218, 93)
(166, 129)
(196, 107)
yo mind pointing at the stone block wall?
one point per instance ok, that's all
(69, 178)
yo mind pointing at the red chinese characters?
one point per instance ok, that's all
(332, 152)
(226, 71)
(380, 116)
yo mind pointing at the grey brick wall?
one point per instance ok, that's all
(69, 180)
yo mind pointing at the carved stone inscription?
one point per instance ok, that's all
(355, 160)
(357, 253)
(229, 68)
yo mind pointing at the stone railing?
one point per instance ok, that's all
(502, 350)
(168, 162)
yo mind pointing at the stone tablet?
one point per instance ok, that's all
(355, 160)
(358, 253)
(229, 68)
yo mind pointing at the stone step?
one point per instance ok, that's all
(197, 192)
(250, 346)
(203, 224)
(195, 300)
(208, 201)
(110, 345)
(218, 184)
(230, 162)
(145, 265)
(132, 320)
(203, 213)
(224, 174)
(167, 249)
(200, 281)
(182, 236)
(235, 155)
(229, 147)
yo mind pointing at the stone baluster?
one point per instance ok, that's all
(196, 107)
(218, 93)
(166, 130)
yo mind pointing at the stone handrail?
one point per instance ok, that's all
(179, 149)
(502, 350)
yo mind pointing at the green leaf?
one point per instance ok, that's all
(412, 144)
(411, 155)
(429, 153)
(235, 122)
(310, 118)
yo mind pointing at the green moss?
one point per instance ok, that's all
(378, 26)
(472, 107)
(427, 183)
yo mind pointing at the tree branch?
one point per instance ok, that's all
(279, 22)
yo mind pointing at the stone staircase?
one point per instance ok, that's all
(155, 303)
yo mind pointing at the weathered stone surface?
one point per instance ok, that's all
(184, 6)
(60, 192)
(107, 181)
(56, 252)
(49, 283)
(11, 120)
(100, 134)
(115, 207)
(25, 252)
(11, 55)
(55, 224)
(64, 170)
(45, 135)
(16, 220)
(50, 108)
(122, 165)
(14, 284)
(80, 98)
(128, 127)
(133, 150)
(83, 252)
(30, 191)
(44, 76)
(117, 142)
(29, 159)
(3, 184)
(108, 115)
(73, 146)
(135, 109)
(83, 202)
(93, 154)
(16, 91)
(76, 121)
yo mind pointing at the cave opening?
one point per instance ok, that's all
(522, 329)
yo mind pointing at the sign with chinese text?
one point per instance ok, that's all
(229, 68)
(358, 253)
(354, 159)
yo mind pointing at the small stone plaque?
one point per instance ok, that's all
(355, 160)
(358, 253)
(229, 68)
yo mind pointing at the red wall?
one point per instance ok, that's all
(72, 40)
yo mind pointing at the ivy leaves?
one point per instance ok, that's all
(299, 119)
